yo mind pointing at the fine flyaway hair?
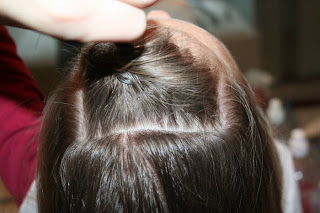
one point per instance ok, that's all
(150, 127)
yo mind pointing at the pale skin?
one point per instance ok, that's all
(80, 20)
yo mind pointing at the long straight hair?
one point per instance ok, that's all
(147, 127)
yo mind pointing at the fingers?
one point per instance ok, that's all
(81, 20)
(139, 3)
(112, 21)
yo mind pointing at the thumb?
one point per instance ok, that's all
(116, 21)
(112, 21)
(81, 20)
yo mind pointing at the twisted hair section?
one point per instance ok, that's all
(147, 127)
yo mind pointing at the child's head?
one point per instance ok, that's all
(166, 124)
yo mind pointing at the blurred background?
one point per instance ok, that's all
(276, 44)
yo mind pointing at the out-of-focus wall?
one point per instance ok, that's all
(309, 39)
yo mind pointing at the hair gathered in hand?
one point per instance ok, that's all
(104, 59)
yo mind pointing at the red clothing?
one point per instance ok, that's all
(21, 104)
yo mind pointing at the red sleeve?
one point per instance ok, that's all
(21, 104)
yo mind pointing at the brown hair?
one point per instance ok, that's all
(147, 127)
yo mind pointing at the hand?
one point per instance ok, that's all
(80, 20)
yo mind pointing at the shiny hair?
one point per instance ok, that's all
(148, 127)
